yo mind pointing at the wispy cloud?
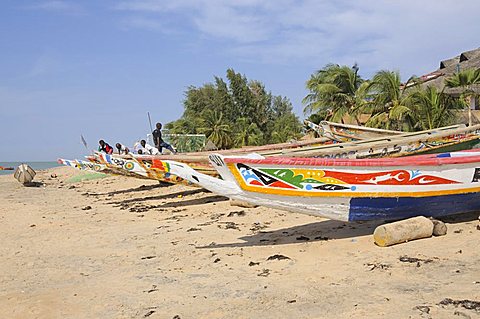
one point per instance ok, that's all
(44, 64)
(375, 33)
(146, 23)
(59, 6)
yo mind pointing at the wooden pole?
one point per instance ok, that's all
(403, 231)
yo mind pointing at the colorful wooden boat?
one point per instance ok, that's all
(2, 168)
(95, 166)
(444, 139)
(450, 138)
(346, 132)
(138, 167)
(345, 189)
(432, 141)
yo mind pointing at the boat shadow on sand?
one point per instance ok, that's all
(193, 202)
(322, 231)
(460, 218)
(140, 202)
(131, 190)
(162, 197)
(313, 232)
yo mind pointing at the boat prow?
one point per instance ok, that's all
(213, 184)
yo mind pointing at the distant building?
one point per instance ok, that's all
(466, 60)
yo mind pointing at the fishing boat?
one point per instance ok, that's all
(24, 174)
(135, 166)
(346, 189)
(345, 132)
(95, 166)
(443, 139)
(2, 168)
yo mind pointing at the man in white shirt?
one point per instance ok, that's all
(122, 149)
(149, 149)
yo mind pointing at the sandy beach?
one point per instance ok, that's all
(120, 247)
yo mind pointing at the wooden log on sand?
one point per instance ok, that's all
(403, 231)
(240, 203)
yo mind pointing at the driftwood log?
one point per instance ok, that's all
(403, 231)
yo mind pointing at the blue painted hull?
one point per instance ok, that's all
(386, 208)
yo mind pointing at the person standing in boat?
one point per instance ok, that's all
(159, 142)
(149, 149)
(122, 149)
(104, 147)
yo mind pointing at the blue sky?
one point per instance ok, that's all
(96, 67)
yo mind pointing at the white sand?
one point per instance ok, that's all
(181, 254)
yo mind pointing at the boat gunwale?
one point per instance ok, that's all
(418, 160)
(401, 139)
(363, 128)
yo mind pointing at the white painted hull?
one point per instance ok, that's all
(343, 192)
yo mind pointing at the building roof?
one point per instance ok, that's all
(465, 60)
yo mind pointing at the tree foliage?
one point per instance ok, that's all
(432, 108)
(466, 80)
(237, 112)
(337, 91)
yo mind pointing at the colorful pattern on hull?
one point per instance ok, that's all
(319, 179)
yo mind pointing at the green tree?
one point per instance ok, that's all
(336, 89)
(247, 133)
(431, 108)
(236, 106)
(466, 80)
(285, 128)
(216, 129)
(389, 102)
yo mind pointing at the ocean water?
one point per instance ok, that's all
(35, 165)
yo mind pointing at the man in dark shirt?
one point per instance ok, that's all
(159, 142)
(104, 147)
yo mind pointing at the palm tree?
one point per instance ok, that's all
(216, 129)
(431, 108)
(336, 88)
(466, 80)
(247, 133)
(388, 103)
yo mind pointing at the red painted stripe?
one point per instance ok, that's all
(419, 160)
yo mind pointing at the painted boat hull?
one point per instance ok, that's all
(96, 167)
(408, 144)
(349, 190)
(375, 148)
(149, 168)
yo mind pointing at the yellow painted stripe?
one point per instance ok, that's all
(289, 192)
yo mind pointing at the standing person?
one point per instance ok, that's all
(122, 149)
(158, 141)
(104, 147)
(149, 149)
